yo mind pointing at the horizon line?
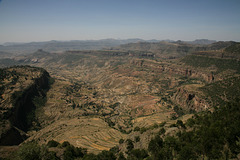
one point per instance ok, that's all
(140, 39)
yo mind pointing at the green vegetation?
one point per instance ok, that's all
(209, 135)
(179, 123)
(121, 156)
(155, 145)
(179, 111)
(26, 86)
(213, 135)
(162, 131)
(137, 154)
(130, 145)
(137, 128)
(8, 75)
(234, 48)
(144, 129)
(223, 91)
(72, 152)
(106, 155)
(39, 101)
(204, 62)
(33, 151)
(71, 58)
(137, 138)
(65, 144)
(121, 141)
(114, 105)
(188, 80)
(162, 124)
(52, 143)
(109, 122)
(8, 62)
(3, 74)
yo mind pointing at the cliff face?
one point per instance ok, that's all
(189, 101)
(175, 69)
(17, 109)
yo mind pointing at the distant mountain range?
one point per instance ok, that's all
(201, 41)
(54, 46)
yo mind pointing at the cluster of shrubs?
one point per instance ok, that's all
(204, 62)
(33, 151)
(144, 129)
(208, 135)
(222, 92)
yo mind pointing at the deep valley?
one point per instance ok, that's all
(122, 100)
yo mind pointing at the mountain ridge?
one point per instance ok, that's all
(55, 45)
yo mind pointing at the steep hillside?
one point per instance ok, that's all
(232, 51)
(22, 88)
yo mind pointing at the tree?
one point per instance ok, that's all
(130, 145)
(121, 156)
(65, 144)
(90, 156)
(52, 143)
(180, 123)
(186, 153)
(106, 155)
(72, 152)
(137, 138)
(121, 141)
(32, 151)
(162, 131)
(155, 145)
(137, 128)
(139, 154)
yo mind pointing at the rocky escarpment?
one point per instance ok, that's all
(189, 101)
(184, 71)
(21, 86)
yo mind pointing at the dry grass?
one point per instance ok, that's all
(91, 133)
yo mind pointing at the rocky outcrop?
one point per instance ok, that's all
(174, 69)
(189, 101)
(19, 111)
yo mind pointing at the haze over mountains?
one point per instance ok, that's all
(54, 45)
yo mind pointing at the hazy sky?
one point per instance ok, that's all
(42, 20)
